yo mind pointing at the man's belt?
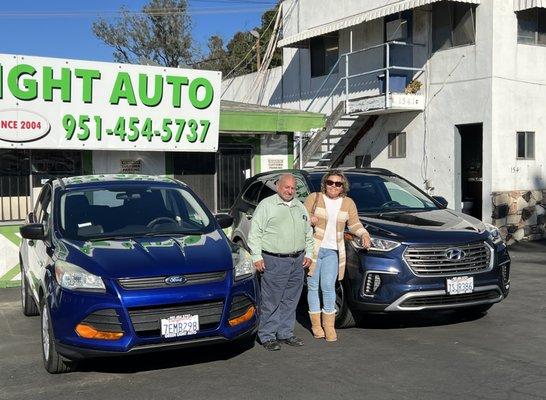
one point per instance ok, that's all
(284, 255)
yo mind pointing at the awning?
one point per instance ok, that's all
(251, 118)
(520, 5)
(369, 15)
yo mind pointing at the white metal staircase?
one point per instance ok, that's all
(355, 112)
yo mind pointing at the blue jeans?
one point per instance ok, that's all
(325, 274)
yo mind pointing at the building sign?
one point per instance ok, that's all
(130, 166)
(48, 103)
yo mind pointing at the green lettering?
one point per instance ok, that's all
(123, 89)
(64, 84)
(177, 82)
(143, 90)
(209, 93)
(30, 85)
(87, 76)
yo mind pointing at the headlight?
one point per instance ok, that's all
(72, 277)
(377, 244)
(242, 264)
(494, 233)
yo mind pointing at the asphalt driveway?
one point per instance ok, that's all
(501, 355)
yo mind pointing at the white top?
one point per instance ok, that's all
(332, 209)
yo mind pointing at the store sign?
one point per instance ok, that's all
(48, 103)
(130, 166)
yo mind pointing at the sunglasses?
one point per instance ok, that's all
(337, 184)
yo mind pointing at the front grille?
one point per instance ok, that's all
(147, 320)
(159, 281)
(106, 320)
(445, 299)
(239, 306)
(433, 260)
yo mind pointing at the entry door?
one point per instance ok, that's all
(471, 164)
(399, 28)
(234, 166)
(15, 202)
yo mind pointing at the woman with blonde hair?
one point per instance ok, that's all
(331, 210)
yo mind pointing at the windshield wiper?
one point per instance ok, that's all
(103, 238)
(170, 233)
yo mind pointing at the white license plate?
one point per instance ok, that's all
(460, 285)
(180, 325)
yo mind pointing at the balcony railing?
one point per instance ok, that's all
(355, 102)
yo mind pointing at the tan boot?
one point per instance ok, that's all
(316, 327)
(328, 322)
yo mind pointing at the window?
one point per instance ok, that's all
(251, 194)
(324, 54)
(364, 161)
(526, 145)
(269, 189)
(532, 26)
(453, 24)
(397, 145)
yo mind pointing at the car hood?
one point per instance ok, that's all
(148, 257)
(435, 226)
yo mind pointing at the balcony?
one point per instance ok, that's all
(372, 91)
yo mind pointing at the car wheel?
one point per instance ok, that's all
(345, 317)
(27, 301)
(54, 363)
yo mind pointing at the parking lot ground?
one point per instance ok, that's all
(501, 355)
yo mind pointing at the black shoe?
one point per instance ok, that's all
(271, 345)
(293, 341)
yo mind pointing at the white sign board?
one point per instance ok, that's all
(48, 103)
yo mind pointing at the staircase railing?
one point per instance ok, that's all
(346, 77)
(304, 151)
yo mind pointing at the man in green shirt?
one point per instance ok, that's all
(281, 243)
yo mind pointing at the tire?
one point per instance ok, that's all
(30, 309)
(345, 317)
(54, 363)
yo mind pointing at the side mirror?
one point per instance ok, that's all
(441, 201)
(224, 220)
(32, 231)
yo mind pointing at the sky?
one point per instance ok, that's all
(62, 28)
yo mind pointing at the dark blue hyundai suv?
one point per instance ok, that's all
(125, 264)
(423, 255)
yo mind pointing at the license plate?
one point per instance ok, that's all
(180, 325)
(460, 285)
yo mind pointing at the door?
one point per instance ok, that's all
(38, 257)
(471, 164)
(15, 201)
(234, 167)
(399, 28)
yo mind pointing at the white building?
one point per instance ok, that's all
(473, 129)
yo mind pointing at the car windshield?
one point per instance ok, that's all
(124, 212)
(374, 194)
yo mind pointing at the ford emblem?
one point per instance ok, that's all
(176, 280)
(455, 254)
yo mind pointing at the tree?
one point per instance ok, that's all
(160, 33)
(231, 60)
(217, 56)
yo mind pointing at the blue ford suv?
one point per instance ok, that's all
(125, 264)
(423, 256)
